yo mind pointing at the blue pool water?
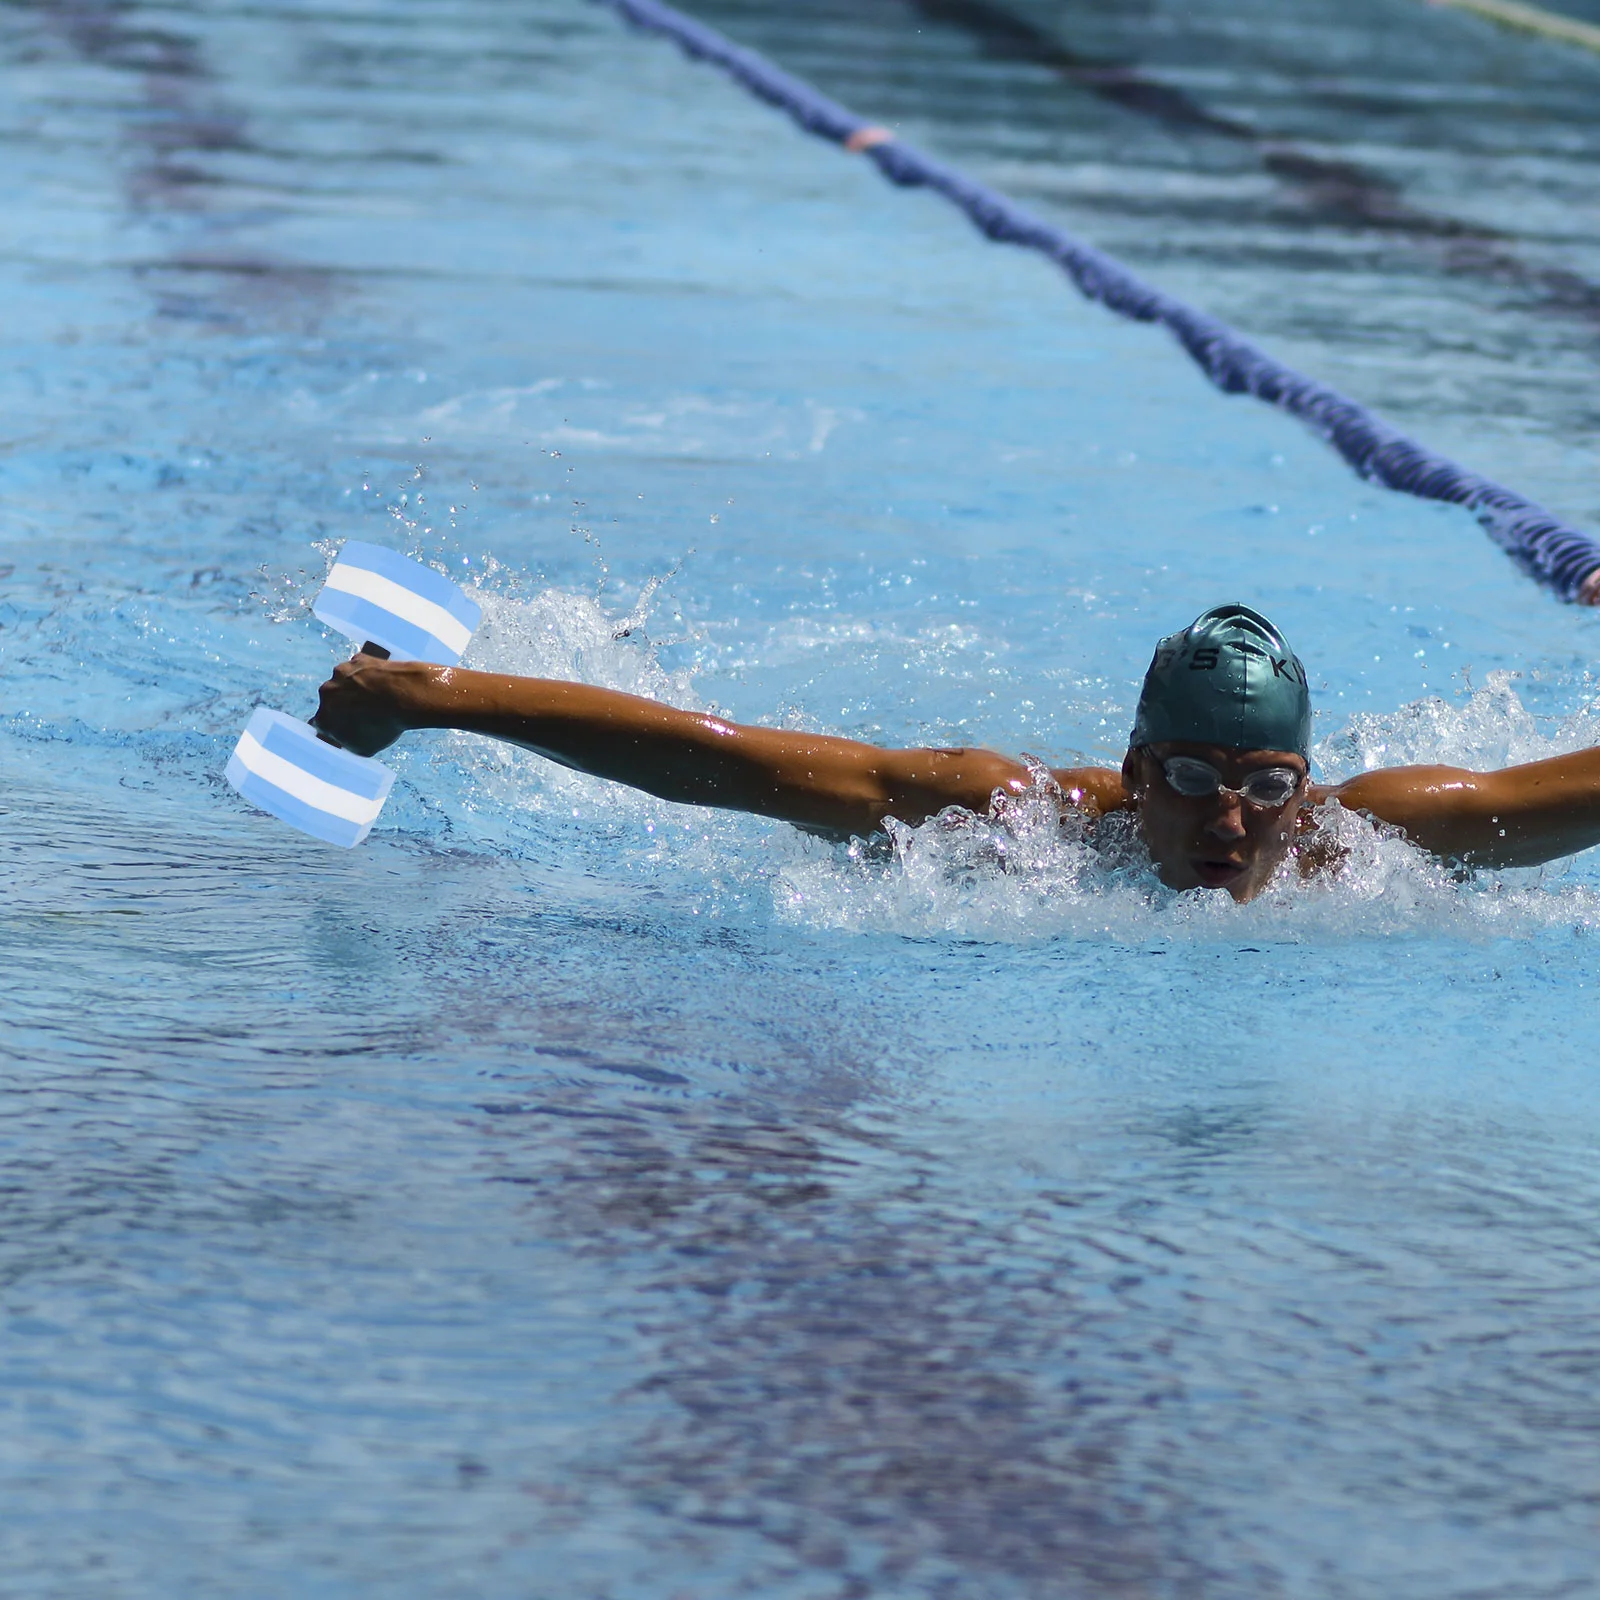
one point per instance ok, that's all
(569, 1194)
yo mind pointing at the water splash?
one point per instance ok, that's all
(1029, 873)
(1490, 728)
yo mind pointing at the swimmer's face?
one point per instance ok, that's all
(1214, 841)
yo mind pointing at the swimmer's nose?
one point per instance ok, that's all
(1227, 820)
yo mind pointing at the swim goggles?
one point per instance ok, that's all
(1266, 789)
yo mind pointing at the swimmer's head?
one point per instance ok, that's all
(1229, 679)
(1217, 764)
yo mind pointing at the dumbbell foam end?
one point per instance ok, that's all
(281, 766)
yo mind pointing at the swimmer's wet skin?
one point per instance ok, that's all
(1216, 769)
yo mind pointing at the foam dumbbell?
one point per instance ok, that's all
(391, 606)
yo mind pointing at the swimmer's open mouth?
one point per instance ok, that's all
(1218, 874)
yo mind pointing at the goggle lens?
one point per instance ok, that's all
(1268, 788)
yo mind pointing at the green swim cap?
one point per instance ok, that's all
(1229, 678)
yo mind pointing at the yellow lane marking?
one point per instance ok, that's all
(1531, 19)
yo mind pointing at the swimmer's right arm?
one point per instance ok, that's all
(815, 780)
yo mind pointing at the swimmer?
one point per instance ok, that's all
(1216, 772)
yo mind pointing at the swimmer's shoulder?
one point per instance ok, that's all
(1098, 790)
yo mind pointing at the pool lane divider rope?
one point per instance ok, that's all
(1545, 547)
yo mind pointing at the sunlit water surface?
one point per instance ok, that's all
(569, 1194)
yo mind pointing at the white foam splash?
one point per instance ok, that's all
(1490, 728)
(567, 413)
(1024, 874)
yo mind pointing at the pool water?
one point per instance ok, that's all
(566, 1193)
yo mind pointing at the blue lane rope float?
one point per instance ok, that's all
(1544, 546)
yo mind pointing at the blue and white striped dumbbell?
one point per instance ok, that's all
(392, 607)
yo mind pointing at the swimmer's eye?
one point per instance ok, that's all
(1267, 789)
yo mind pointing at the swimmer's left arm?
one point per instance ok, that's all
(1516, 817)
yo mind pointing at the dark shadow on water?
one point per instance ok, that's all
(185, 116)
(877, 1387)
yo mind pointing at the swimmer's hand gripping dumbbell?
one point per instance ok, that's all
(393, 607)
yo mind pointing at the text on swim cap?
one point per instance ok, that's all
(1207, 658)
